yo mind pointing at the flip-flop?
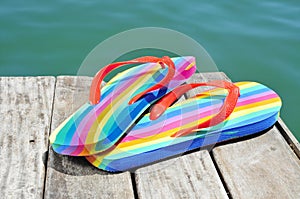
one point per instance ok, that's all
(112, 110)
(249, 108)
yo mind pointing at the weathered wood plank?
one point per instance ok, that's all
(261, 167)
(74, 177)
(25, 115)
(188, 176)
(204, 77)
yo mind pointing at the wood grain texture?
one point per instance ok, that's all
(189, 176)
(75, 177)
(261, 167)
(25, 115)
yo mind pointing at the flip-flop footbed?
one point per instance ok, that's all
(149, 141)
(95, 128)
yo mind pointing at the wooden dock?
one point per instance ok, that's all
(264, 166)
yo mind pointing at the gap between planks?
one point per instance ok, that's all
(50, 126)
(289, 137)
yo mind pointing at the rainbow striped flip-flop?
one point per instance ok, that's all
(173, 132)
(112, 110)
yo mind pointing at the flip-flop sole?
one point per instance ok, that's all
(257, 109)
(95, 128)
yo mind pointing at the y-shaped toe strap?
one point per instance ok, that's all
(225, 111)
(95, 90)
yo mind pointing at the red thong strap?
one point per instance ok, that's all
(227, 108)
(95, 90)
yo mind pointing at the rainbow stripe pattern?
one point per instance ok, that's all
(257, 109)
(95, 128)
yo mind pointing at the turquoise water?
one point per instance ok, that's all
(249, 40)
